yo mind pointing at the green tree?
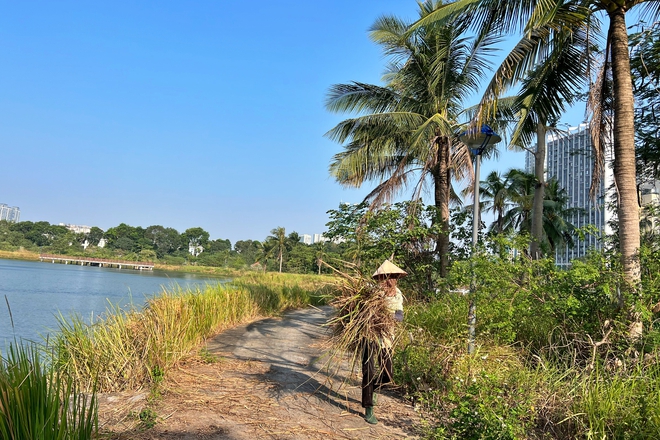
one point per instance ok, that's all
(280, 239)
(266, 251)
(612, 100)
(219, 245)
(405, 230)
(163, 240)
(196, 238)
(126, 238)
(319, 254)
(494, 192)
(645, 65)
(408, 129)
(518, 218)
(94, 235)
(247, 249)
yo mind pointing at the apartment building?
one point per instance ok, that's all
(11, 214)
(569, 159)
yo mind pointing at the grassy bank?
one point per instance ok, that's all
(19, 255)
(131, 349)
(555, 357)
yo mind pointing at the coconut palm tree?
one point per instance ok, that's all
(406, 131)
(520, 191)
(265, 252)
(494, 192)
(611, 101)
(279, 238)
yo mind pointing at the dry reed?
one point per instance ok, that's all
(362, 316)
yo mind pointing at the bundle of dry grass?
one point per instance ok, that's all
(363, 314)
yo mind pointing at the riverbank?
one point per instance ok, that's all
(25, 255)
(19, 255)
(265, 379)
(136, 348)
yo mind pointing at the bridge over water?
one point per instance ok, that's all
(99, 262)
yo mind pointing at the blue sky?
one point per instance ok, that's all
(182, 114)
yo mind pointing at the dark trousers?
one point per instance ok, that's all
(371, 379)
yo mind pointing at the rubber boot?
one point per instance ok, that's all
(369, 416)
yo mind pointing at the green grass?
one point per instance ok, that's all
(513, 391)
(37, 402)
(131, 349)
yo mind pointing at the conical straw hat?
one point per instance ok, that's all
(389, 269)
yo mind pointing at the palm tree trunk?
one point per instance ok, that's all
(539, 193)
(441, 186)
(624, 148)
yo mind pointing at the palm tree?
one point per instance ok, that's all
(320, 254)
(406, 130)
(611, 101)
(265, 252)
(557, 230)
(280, 239)
(495, 195)
(520, 192)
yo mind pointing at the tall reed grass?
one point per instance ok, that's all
(134, 348)
(38, 402)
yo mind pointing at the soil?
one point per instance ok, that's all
(267, 379)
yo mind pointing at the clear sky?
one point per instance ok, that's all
(182, 114)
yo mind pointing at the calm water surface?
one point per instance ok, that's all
(37, 292)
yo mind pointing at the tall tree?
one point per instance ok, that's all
(197, 239)
(265, 252)
(645, 65)
(495, 193)
(611, 101)
(280, 239)
(407, 130)
(556, 230)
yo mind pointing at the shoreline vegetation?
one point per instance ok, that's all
(554, 359)
(131, 349)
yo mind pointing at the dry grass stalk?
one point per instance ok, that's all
(363, 314)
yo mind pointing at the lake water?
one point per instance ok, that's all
(37, 292)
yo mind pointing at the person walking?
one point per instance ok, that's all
(387, 275)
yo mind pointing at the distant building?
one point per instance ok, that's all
(78, 229)
(319, 238)
(569, 159)
(650, 201)
(313, 239)
(11, 214)
(195, 250)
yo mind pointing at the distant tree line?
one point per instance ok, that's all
(277, 252)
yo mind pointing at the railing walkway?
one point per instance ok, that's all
(100, 262)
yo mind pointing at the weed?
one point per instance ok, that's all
(148, 418)
(206, 356)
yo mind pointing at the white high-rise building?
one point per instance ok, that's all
(306, 238)
(569, 159)
(319, 238)
(10, 214)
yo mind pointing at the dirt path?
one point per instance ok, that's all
(268, 382)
